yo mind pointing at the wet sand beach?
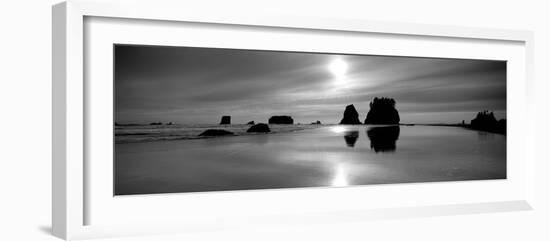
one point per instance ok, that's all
(339, 155)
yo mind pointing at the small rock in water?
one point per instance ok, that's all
(226, 120)
(261, 127)
(215, 132)
(281, 119)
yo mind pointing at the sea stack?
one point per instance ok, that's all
(226, 120)
(281, 119)
(351, 117)
(382, 112)
(486, 121)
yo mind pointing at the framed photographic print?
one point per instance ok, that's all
(177, 121)
(195, 119)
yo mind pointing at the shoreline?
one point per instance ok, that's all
(150, 137)
(299, 127)
(465, 126)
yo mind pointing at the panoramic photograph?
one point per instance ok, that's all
(191, 119)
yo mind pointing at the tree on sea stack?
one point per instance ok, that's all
(486, 121)
(351, 117)
(382, 112)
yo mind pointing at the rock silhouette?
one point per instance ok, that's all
(383, 138)
(216, 132)
(486, 121)
(316, 123)
(260, 127)
(351, 138)
(226, 120)
(281, 119)
(351, 117)
(155, 123)
(250, 123)
(382, 111)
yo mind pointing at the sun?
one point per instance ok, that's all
(338, 68)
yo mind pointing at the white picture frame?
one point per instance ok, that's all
(72, 188)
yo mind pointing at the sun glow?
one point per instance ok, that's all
(338, 129)
(338, 68)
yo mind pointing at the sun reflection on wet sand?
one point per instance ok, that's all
(340, 177)
(338, 129)
(310, 158)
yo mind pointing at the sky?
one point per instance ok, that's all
(188, 85)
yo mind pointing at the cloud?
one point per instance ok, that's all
(198, 85)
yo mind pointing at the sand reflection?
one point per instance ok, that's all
(351, 138)
(383, 138)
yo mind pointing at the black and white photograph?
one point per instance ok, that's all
(194, 119)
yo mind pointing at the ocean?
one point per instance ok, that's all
(148, 133)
